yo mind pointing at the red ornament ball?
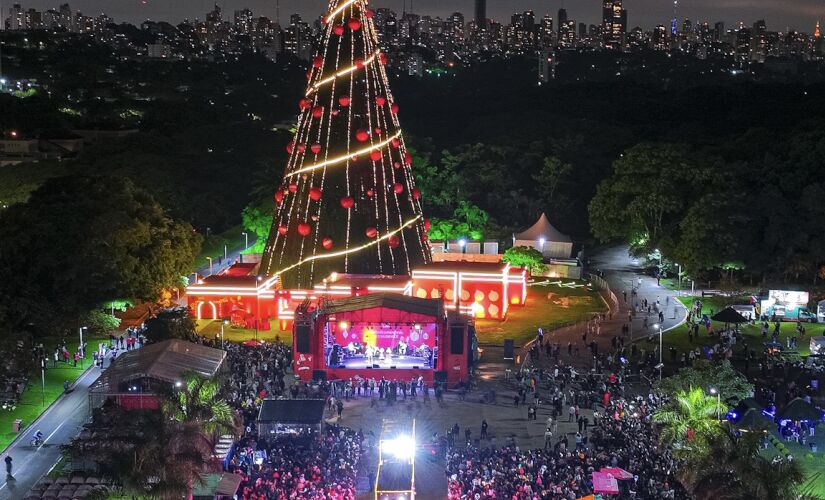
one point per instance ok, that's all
(416, 193)
(383, 58)
(371, 232)
(378, 131)
(426, 224)
(362, 135)
(309, 74)
(317, 62)
(293, 187)
(394, 241)
(304, 229)
(396, 165)
(354, 24)
(426, 237)
(279, 196)
(398, 188)
(347, 202)
(359, 63)
(380, 100)
(315, 148)
(370, 193)
(304, 104)
(338, 29)
(290, 147)
(282, 230)
(408, 158)
(315, 194)
(317, 111)
(327, 242)
(394, 108)
(302, 148)
(343, 100)
(369, 13)
(396, 142)
(375, 155)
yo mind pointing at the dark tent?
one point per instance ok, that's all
(729, 315)
(799, 409)
(752, 420)
(290, 416)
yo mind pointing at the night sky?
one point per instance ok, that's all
(779, 14)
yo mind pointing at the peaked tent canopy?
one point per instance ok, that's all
(799, 409)
(545, 238)
(729, 315)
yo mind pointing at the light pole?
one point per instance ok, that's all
(679, 288)
(542, 241)
(223, 344)
(80, 348)
(43, 378)
(713, 390)
(246, 240)
(463, 244)
(659, 326)
(225, 252)
(210, 265)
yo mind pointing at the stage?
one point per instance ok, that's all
(397, 362)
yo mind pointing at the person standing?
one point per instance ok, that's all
(484, 429)
(571, 414)
(8, 461)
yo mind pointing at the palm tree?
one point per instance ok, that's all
(735, 470)
(689, 421)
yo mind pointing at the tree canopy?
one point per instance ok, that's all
(80, 242)
(526, 257)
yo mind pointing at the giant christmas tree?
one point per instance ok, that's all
(348, 201)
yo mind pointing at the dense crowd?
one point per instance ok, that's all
(622, 436)
(320, 467)
(255, 373)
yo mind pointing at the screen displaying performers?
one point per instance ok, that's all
(379, 345)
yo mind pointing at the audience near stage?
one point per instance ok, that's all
(292, 468)
(255, 373)
(623, 437)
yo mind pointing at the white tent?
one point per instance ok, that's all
(542, 236)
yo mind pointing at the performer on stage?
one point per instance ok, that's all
(370, 354)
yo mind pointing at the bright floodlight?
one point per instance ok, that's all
(462, 243)
(401, 447)
(713, 390)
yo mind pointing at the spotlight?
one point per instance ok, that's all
(401, 447)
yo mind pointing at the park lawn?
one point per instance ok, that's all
(213, 246)
(211, 329)
(813, 465)
(678, 338)
(550, 305)
(34, 400)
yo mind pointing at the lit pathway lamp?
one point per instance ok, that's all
(223, 323)
(713, 391)
(661, 364)
(210, 265)
(542, 241)
(80, 348)
(463, 244)
(246, 240)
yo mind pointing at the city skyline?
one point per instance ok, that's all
(794, 14)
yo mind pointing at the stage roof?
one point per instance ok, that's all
(464, 266)
(168, 361)
(367, 280)
(428, 307)
(543, 229)
(292, 411)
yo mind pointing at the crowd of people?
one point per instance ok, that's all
(620, 437)
(315, 468)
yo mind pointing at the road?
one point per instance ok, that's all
(60, 423)
(232, 256)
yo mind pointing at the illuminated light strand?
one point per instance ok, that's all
(341, 73)
(340, 253)
(340, 9)
(341, 158)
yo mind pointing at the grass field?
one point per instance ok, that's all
(211, 329)
(34, 399)
(214, 245)
(678, 338)
(549, 305)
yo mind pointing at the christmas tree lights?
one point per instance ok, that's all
(348, 201)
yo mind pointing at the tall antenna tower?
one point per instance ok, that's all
(278, 12)
(674, 24)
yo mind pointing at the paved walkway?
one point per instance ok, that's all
(60, 423)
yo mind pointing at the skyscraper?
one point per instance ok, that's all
(481, 14)
(562, 18)
(614, 23)
(348, 201)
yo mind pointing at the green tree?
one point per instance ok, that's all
(100, 322)
(734, 469)
(258, 222)
(475, 219)
(550, 177)
(732, 385)
(174, 323)
(79, 242)
(689, 422)
(525, 257)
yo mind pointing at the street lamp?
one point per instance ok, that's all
(225, 253)
(246, 240)
(713, 390)
(463, 244)
(210, 265)
(80, 348)
(542, 241)
(661, 364)
(223, 344)
(680, 278)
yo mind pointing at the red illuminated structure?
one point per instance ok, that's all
(383, 335)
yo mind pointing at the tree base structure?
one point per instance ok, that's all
(478, 290)
(383, 336)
